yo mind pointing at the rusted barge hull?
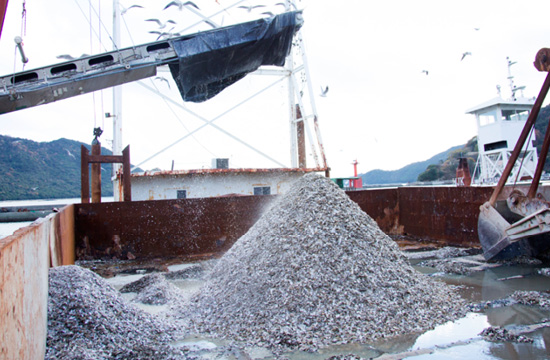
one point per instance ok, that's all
(209, 226)
(164, 228)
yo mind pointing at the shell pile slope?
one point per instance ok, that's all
(316, 270)
(88, 319)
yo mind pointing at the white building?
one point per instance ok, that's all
(499, 124)
(180, 184)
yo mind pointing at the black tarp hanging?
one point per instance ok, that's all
(211, 61)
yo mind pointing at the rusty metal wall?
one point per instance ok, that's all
(382, 205)
(445, 214)
(62, 251)
(25, 257)
(24, 293)
(164, 228)
(208, 226)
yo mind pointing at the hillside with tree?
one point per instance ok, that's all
(44, 170)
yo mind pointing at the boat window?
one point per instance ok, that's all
(515, 115)
(496, 145)
(181, 194)
(487, 118)
(262, 190)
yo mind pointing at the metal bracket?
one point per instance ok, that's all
(534, 224)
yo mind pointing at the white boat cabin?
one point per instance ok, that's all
(181, 184)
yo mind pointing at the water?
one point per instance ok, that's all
(6, 229)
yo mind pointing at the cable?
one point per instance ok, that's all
(180, 121)
(89, 22)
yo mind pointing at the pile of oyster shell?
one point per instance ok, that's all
(316, 270)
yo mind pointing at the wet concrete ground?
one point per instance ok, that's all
(480, 283)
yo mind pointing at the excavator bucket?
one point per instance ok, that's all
(491, 228)
(500, 240)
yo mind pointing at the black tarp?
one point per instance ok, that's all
(211, 61)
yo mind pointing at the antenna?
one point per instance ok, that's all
(513, 88)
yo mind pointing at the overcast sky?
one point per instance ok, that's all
(381, 108)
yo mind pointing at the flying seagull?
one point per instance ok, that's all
(70, 153)
(161, 24)
(164, 35)
(324, 91)
(212, 24)
(268, 13)
(181, 4)
(465, 54)
(425, 72)
(284, 5)
(250, 8)
(163, 79)
(124, 10)
(69, 57)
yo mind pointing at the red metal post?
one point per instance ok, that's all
(96, 174)
(84, 176)
(301, 139)
(126, 172)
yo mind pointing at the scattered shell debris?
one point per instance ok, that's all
(532, 298)
(152, 289)
(316, 270)
(450, 260)
(88, 319)
(443, 253)
(497, 333)
(544, 272)
(528, 298)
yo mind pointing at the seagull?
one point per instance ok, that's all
(161, 24)
(163, 79)
(124, 10)
(268, 13)
(425, 72)
(70, 154)
(213, 25)
(69, 57)
(164, 34)
(284, 5)
(180, 4)
(465, 54)
(324, 91)
(250, 8)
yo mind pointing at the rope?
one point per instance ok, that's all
(24, 20)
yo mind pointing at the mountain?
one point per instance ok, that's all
(44, 170)
(407, 173)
